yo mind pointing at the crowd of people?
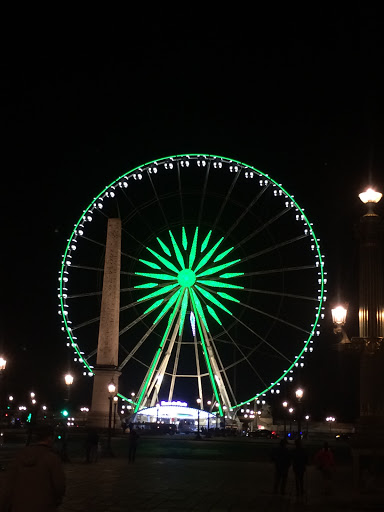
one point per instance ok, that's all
(284, 458)
(36, 479)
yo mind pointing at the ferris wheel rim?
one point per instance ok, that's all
(174, 159)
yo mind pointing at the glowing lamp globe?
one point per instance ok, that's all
(3, 363)
(111, 388)
(339, 315)
(68, 379)
(370, 196)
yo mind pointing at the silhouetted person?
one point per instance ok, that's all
(35, 481)
(62, 438)
(133, 441)
(299, 464)
(325, 462)
(91, 446)
(282, 460)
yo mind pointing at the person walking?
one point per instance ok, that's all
(299, 464)
(325, 463)
(35, 481)
(133, 441)
(282, 460)
(91, 445)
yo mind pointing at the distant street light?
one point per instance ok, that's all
(198, 418)
(68, 378)
(3, 363)
(299, 395)
(290, 410)
(285, 405)
(307, 420)
(330, 420)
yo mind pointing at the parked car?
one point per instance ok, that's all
(263, 433)
(343, 436)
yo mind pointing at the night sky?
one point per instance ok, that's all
(299, 97)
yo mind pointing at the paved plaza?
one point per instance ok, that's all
(163, 484)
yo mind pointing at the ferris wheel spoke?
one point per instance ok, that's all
(82, 295)
(175, 368)
(274, 247)
(281, 294)
(158, 352)
(247, 210)
(261, 228)
(211, 298)
(203, 194)
(201, 328)
(86, 323)
(224, 203)
(133, 351)
(133, 238)
(264, 313)
(262, 338)
(222, 368)
(158, 201)
(169, 302)
(279, 270)
(93, 241)
(180, 194)
(138, 211)
(84, 267)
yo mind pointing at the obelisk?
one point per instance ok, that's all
(106, 368)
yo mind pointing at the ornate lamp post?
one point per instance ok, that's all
(198, 418)
(369, 343)
(3, 364)
(68, 378)
(299, 395)
(209, 403)
(290, 410)
(285, 405)
(307, 420)
(111, 391)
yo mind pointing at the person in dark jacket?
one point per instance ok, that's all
(91, 445)
(299, 464)
(133, 441)
(35, 481)
(282, 460)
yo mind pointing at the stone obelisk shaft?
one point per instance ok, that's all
(108, 343)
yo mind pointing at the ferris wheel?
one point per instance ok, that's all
(222, 281)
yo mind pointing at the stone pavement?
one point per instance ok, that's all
(114, 485)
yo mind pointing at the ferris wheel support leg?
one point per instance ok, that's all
(157, 381)
(108, 343)
(219, 381)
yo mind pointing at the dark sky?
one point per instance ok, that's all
(299, 97)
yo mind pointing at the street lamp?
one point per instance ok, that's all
(198, 418)
(330, 420)
(209, 403)
(285, 405)
(3, 363)
(307, 420)
(68, 378)
(115, 401)
(339, 318)
(290, 410)
(299, 395)
(111, 391)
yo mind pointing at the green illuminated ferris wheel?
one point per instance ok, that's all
(222, 281)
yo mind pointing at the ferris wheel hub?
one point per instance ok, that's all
(186, 278)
